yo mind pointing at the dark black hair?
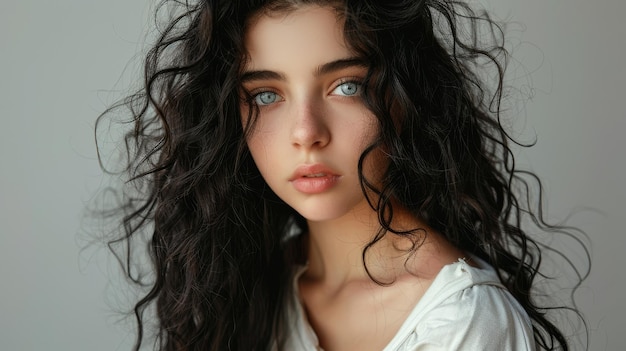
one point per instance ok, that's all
(217, 234)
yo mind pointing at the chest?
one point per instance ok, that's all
(360, 317)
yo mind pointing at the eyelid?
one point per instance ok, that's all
(252, 95)
(257, 91)
(356, 80)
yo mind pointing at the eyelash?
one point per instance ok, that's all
(255, 95)
(356, 82)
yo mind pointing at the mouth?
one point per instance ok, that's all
(316, 175)
(317, 170)
(314, 179)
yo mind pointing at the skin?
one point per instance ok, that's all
(304, 79)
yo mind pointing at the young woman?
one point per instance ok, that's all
(329, 175)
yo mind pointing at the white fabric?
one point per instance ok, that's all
(465, 308)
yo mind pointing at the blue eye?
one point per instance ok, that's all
(266, 98)
(348, 89)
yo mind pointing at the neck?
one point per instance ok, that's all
(335, 251)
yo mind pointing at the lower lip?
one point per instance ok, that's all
(315, 185)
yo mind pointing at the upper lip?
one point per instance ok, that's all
(312, 170)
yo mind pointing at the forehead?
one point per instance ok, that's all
(310, 33)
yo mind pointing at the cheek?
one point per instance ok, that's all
(251, 128)
(264, 148)
(258, 149)
(367, 133)
(376, 161)
(376, 164)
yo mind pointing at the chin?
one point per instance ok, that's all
(333, 212)
(319, 216)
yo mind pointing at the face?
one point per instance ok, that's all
(312, 125)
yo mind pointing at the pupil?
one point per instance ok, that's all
(267, 97)
(348, 88)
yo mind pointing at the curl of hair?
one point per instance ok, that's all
(217, 243)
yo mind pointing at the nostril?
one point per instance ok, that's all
(310, 134)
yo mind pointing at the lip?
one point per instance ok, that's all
(314, 178)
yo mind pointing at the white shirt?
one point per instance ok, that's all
(465, 308)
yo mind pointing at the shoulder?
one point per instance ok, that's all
(467, 308)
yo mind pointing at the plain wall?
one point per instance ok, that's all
(63, 62)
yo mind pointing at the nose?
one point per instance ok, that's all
(309, 128)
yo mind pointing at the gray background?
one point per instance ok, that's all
(62, 62)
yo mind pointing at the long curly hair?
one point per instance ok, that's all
(219, 239)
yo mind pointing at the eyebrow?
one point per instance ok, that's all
(323, 69)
